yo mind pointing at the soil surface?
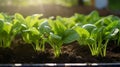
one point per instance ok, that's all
(71, 53)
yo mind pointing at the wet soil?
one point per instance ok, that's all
(71, 53)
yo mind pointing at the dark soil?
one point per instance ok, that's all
(71, 53)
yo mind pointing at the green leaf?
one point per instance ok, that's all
(115, 32)
(111, 33)
(16, 28)
(106, 21)
(19, 18)
(1, 16)
(111, 25)
(68, 22)
(55, 40)
(54, 37)
(97, 33)
(44, 27)
(118, 26)
(24, 26)
(70, 36)
(79, 17)
(92, 17)
(34, 31)
(89, 27)
(82, 32)
(90, 41)
(1, 25)
(7, 27)
(32, 20)
(99, 23)
(58, 27)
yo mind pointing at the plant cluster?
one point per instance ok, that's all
(91, 30)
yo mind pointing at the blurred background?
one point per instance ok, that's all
(64, 8)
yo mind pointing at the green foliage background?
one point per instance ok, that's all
(114, 4)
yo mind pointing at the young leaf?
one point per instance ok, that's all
(111, 33)
(31, 20)
(58, 27)
(70, 36)
(19, 18)
(1, 16)
(1, 25)
(89, 27)
(34, 31)
(55, 38)
(82, 32)
(92, 17)
(44, 27)
(7, 27)
(111, 25)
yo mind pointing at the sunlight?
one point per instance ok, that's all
(39, 2)
(34, 2)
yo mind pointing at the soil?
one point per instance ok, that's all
(71, 53)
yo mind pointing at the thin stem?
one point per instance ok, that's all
(37, 47)
(104, 51)
(42, 45)
(57, 51)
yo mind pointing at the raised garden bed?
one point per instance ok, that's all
(77, 39)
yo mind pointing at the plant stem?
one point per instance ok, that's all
(37, 47)
(42, 45)
(57, 51)
(105, 47)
